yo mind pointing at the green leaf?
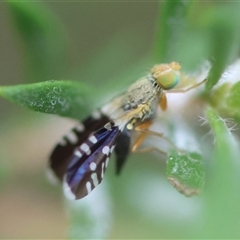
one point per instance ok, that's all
(226, 151)
(233, 98)
(186, 172)
(225, 99)
(43, 37)
(220, 22)
(170, 27)
(217, 97)
(222, 194)
(185, 168)
(64, 98)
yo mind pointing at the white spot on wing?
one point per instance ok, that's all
(89, 187)
(108, 126)
(71, 136)
(93, 166)
(63, 142)
(107, 160)
(84, 147)
(88, 152)
(95, 179)
(77, 153)
(51, 176)
(96, 114)
(105, 150)
(102, 173)
(80, 127)
(112, 148)
(93, 139)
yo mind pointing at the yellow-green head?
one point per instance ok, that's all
(166, 75)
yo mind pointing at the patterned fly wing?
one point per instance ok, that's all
(65, 148)
(87, 166)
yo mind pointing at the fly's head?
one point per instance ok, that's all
(166, 75)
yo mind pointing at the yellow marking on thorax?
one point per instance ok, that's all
(138, 112)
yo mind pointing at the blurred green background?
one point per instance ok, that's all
(108, 45)
(30, 206)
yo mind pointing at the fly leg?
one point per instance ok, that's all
(163, 101)
(144, 132)
(187, 89)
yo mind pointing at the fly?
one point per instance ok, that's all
(80, 159)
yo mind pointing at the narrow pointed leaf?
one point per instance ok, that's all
(170, 28)
(224, 38)
(226, 154)
(65, 98)
(222, 195)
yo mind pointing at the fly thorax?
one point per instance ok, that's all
(142, 92)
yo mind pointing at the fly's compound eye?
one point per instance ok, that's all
(166, 75)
